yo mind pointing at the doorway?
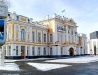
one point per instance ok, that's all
(95, 50)
(71, 52)
(22, 51)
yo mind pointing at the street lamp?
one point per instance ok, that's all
(3, 16)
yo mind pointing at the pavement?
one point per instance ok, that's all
(75, 69)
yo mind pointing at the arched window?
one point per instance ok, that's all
(22, 34)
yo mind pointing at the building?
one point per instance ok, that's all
(94, 35)
(55, 36)
(93, 46)
(93, 43)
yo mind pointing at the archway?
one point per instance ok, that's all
(71, 52)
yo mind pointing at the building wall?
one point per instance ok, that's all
(92, 43)
(63, 31)
(94, 35)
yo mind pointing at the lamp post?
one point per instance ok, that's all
(3, 15)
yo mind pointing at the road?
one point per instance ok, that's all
(75, 69)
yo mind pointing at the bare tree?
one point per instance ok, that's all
(6, 2)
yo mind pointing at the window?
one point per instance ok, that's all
(16, 50)
(32, 50)
(9, 48)
(23, 34)
(44, 51)
(50, 51)
(38, 50)
(50, 37)
(33, 37)
(44, 37)
(39, 37)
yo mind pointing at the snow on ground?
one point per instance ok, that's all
(82, 59)
(46, 66)
(26, 59)
(10, 67)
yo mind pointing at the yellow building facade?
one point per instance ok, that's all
(55, 36)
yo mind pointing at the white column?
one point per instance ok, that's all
(36, 51)
(54, 50)
(26, 37)
(67, 39)
(78, 49)
(26, 50)
(73, 35)
(55, 36)
(30, 34)
(66, 50)
(41, 50)
(13, 50)
(19, 35)
(70, 31)
(19, 50)
(1, 58)
(14, 32)
(63, 38)
(7, 34)
(6, 50)
(30, 50)
(58, 50)
(35, 35)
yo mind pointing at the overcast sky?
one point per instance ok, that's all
(83, 12)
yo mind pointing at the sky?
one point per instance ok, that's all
(83, 12)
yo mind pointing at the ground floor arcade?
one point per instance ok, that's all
(18, 51)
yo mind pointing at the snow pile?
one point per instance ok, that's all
(47, 67)
(84, 59)
(10, 67)
(26, 59)
(6, 60)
